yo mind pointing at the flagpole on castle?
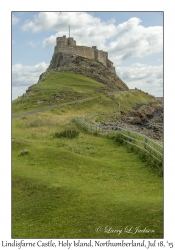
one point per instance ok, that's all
(69, 31)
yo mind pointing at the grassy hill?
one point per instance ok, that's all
(84, 187)
(58, 88)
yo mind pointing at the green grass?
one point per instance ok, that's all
(73, 194)
(67, 188)
(142, 139)
(131, 99)
(127, 100)
(55, 89)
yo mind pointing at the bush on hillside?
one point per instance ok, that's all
(67, 133)
(119, 138)
(24, 152)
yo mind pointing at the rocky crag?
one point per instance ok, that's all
(144, 119)
(88, 61)
(93, 63)
(66, 62)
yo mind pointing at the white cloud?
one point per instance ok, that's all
(15, 19)
(127, 40)
(134, 40)
(85, 28)
(50, 41)
(49, 21)
(32, 44)
(144, 77)
(27, 75)
(124, 41)
(18, 91)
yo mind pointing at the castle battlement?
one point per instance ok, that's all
(63, 41)
(68, 45)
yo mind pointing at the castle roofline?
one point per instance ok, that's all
(68, 45)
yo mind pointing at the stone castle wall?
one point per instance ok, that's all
(61, 41)
(68, 45)
(77, 50)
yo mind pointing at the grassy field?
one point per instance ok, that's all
(124, 101)
(55, 89)
(131, 99)
(84, 187)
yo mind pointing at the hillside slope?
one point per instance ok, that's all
(65, 62)
(58, 88)
(69, 187)
(61, 87)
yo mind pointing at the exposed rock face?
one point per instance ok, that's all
(147, 120)
(68, 45)
(65, 62)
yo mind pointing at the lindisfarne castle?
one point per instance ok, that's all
(88, 61)
(68, 45)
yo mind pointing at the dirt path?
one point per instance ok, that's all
(51, 107)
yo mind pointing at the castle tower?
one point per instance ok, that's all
(68, 45)
(61, 41)
(71, 41)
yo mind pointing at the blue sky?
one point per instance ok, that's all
(133, 40)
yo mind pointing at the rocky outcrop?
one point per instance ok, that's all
(145, 119)
(65, 62)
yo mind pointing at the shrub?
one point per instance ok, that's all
(95, 133)
(24, 152)
(35, 123)
(119, 139)
(67, 133)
